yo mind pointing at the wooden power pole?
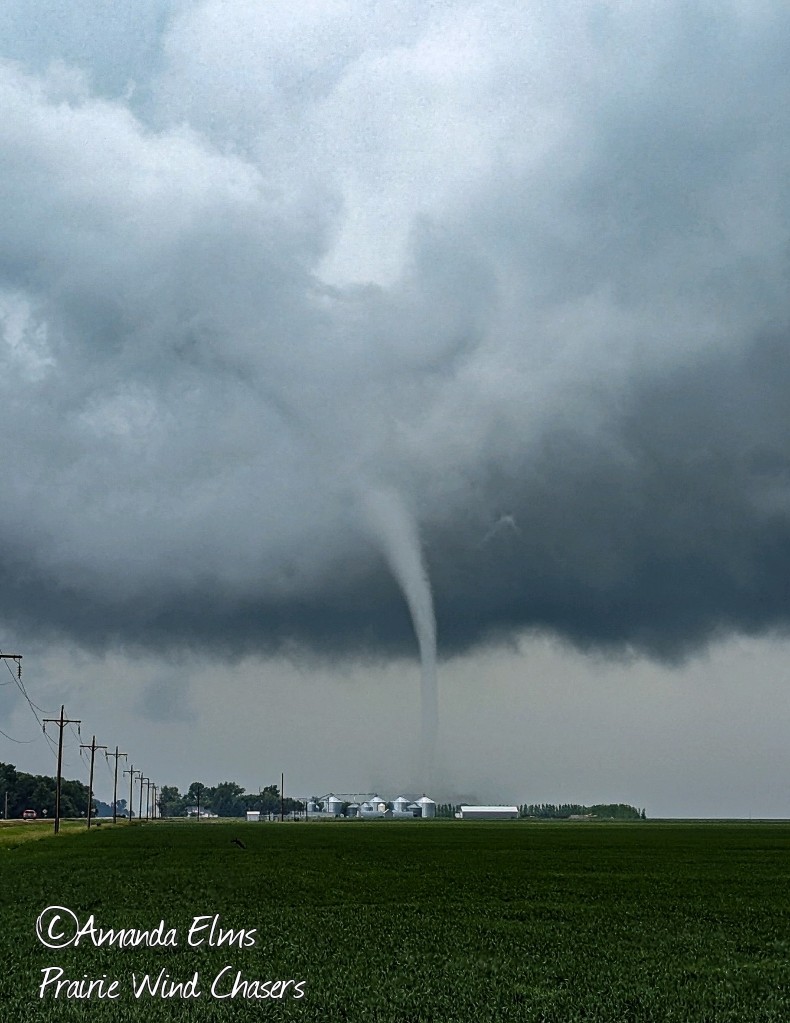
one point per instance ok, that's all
(92, 747)
(116, 754)
(61, 722)
(131, 772)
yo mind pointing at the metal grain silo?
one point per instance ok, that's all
(427, 806)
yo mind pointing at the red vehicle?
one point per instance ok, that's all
(28, 815)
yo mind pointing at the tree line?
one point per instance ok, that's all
(37, 792)
(611, 811)
(563, 811)
(227, 799)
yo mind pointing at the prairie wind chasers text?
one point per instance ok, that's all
(59, 927)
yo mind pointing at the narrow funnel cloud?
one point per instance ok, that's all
(395, 530)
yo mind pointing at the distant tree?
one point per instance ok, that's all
(73, 799)
(102, 809)
(270, 799)
(199, 794)
(267, 799)
(226, 799)
(170, 802)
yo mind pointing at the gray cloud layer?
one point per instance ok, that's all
(528, 268)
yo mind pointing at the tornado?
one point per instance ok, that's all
(395, 531)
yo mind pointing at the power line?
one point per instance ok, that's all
(21, 742)
(15, 679)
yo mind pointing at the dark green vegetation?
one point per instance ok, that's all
(603, 811)
(37, 792)
(565, 811)
(419, 921)
(227, 799)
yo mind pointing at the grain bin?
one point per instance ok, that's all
(427, 806)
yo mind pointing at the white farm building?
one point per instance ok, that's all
(488, 813)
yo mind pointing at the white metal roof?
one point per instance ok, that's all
(491, 809)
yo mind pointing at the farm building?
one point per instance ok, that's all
(489, 813)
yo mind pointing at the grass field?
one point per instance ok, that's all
(410, 921)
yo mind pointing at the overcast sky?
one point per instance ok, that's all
(521, 267)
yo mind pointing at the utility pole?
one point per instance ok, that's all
(116, 754)
(61, 722)
(148, 786)
(142, 782)
(131, 772)
(282, 796)
(92, 747)
(153, 808)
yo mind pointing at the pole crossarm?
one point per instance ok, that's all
(14, 657)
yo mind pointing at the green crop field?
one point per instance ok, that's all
(400, 921)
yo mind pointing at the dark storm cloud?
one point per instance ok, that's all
(670, 530)
(527, 270)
